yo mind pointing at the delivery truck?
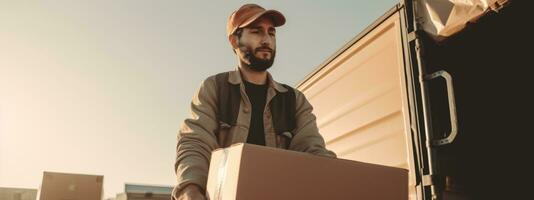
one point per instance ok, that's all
(438, 87)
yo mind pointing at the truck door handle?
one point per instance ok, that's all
(452, 107)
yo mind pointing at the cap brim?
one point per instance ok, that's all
(277, 17)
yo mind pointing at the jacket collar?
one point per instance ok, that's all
(236, 79)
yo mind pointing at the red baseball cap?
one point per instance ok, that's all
(249, 13)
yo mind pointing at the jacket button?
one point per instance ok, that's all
(246, 110)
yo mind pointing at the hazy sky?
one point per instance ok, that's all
(101, 87)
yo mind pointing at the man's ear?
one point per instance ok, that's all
(233, 41)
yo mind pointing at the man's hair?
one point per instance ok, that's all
(238, 33)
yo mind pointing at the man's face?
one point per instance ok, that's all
(257, 44)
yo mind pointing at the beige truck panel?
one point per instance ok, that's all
(359, 100)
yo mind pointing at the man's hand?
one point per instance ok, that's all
(191, 192)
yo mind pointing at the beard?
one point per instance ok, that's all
(258, 64)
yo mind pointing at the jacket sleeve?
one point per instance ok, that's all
(306, 136)
(196, 138)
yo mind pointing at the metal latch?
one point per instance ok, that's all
(428, 180)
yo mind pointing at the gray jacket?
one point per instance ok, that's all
(197, 138)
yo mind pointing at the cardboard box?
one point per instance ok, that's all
(17, 194)
(245, 171)
(71, 186)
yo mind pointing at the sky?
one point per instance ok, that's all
(102, 87)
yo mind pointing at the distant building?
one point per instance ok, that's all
(145, 192)
(17, 194)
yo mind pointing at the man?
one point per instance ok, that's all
(257, 117)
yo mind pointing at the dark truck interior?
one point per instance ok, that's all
(490, 65)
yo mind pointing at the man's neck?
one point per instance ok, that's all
(258, 78)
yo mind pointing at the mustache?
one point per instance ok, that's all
(263, 49)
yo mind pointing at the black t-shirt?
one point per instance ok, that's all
(257, 95)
